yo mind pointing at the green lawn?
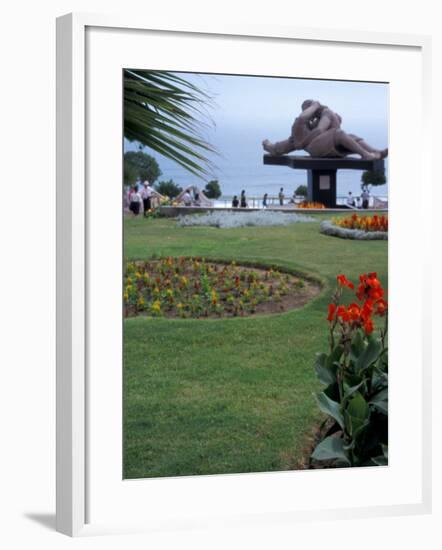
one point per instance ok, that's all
(230, 395)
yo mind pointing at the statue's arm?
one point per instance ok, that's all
(308, 113)
(323, 125)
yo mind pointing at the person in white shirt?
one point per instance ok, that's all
(351, 200)
(187, 198)
(135, 201)
(146, 195)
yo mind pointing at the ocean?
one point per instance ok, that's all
(239, 164)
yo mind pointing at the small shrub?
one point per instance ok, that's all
(168, 188)
(212, 190)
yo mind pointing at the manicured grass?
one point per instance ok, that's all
(230, 395)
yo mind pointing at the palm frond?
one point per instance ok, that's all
(168, 114)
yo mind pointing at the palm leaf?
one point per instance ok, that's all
(166, 113)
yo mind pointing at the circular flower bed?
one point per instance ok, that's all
(196, 288)
(357, 227)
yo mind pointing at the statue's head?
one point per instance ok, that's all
(306, 104)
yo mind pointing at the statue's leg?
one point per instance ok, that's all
(382, 152)
(345, 140)
(279, 148)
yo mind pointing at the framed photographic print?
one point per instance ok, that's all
(234, 245)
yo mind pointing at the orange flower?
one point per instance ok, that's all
(343, 281)
(331, 312)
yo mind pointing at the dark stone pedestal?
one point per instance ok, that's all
(322, 187)
(322, 172)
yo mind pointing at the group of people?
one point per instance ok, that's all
(241, 202)
(363, 200)
(140, 199)
(352, 201)
(188, 200)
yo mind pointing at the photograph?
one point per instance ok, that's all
(255, 273)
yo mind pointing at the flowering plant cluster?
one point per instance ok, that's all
(357, 315)
(192, 287)
(152, 213)
(229, 220)
(363, 223)
(355, 372)
(307, 205)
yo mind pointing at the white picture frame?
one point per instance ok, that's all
(75, 475)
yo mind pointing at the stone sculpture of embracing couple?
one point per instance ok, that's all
(317, 130)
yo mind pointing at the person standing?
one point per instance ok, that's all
(146, 195)
(281, 196)
(235, 202)
(135, 201)
(264, 200)
(243, 201)
(365, 196)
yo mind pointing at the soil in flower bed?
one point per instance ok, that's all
(195, 288)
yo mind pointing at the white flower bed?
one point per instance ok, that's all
(328, 228)
(229, 219)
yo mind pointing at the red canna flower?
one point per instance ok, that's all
(343, 281)
(343, 313)
(370, 287)
(367, 310)
(354, 312)
(368, 326)
(331, 312)
(381, 307)
(373, 281)
(376, 293)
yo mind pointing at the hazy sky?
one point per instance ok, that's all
(248, 109)
(261, 101)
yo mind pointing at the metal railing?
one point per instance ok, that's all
(273, 201)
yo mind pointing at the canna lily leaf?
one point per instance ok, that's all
(331, 408)
(331, 448)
